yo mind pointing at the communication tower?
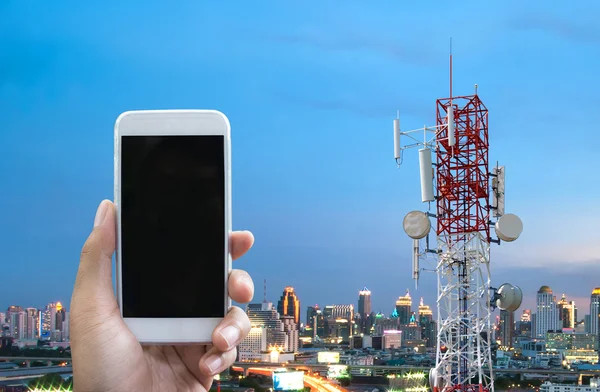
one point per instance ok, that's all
(465, 199)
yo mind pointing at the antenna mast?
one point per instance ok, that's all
(454, 156)
(265, 292)
(450, 69)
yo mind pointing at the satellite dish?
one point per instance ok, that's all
(510, 297)
(509, 227)
(417, 225)
(433, 377)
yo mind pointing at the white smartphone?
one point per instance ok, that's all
(173, 200)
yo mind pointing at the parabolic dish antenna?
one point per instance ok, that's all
(509, 227)
(432, 374)
(433, 377)
(416, 225)
(510, 297)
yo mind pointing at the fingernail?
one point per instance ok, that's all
(230, 334)
(100, 214)
(214, 362)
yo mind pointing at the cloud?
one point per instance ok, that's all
(571, 268)
(398, 48)
(578, 31)
(359, 71)
(576, 282)
(547, 255)
(360, 103)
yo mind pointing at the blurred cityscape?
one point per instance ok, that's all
(552, 348)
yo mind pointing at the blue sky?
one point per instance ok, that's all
(310, 90)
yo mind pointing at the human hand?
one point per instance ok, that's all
(106, 355)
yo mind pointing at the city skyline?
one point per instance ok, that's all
(313, 170)
(529, 302)
(550, 315)
(583, 310)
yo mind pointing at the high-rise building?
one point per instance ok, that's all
(507, 326)
(357, 325)
(311, 313)
(385, 324)
(412, 330)
(339, 322)
(59, 322)
(320, 329)
(404, 308)
(315, 324)
(31, 323)
(587, 323)
(339, 311)
(265, 316)
(15, 318)
(17, 324)
(291, 330)
(13, 309)
(524, 323)
(49, 326)
(547, 317)
(595, 311)
(427, 325)
(45, 321)
(289, 304)
(566, 311)
(364, 302)
(392, 340)
(364, 310)
(254, 343)
(66, 332)
(339, 328)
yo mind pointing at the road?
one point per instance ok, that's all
(322, 384)
(318, 383)
(34, 371)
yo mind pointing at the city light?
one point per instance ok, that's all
(564, 349)
(415, 375)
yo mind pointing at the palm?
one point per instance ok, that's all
(106, 354)
(149, 368)
(175, 368)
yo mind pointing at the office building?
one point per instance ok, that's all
(291, 331)
(392, 340)
(507, 327)
(404, 308)
(289, 304)
(546, 317)
(566, 312)
(364, 319)
(594, 311)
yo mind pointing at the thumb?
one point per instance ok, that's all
(93, 287)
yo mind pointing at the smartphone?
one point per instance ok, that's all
(173, 200)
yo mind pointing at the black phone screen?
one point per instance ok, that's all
(173, 250)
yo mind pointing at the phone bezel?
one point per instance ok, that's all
(173, 122)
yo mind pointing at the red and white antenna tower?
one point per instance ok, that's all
(265, 292)
(465, 198)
